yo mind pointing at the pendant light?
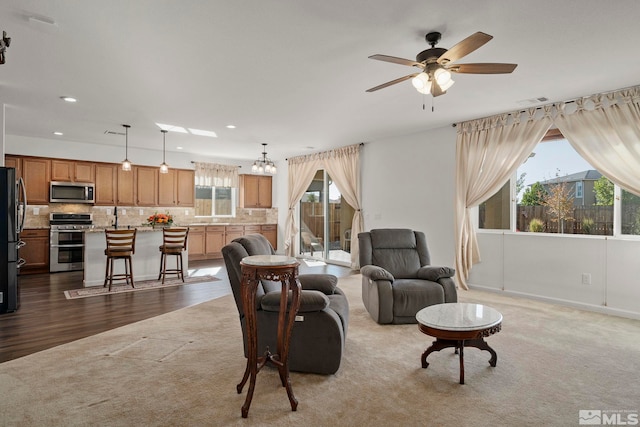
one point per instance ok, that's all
(126, 164)
(164, 168)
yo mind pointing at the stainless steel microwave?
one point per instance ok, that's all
(72, 192)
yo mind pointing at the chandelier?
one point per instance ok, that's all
(264, 164)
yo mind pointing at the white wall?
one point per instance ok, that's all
(409, 182)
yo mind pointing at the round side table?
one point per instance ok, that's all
(276, 268)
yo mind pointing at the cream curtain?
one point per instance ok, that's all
(301, 172)
(216, 175)
(488, 152)
(343, 165)
(605, 130)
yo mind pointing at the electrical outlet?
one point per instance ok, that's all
(36, 211)
(299, 318)
(141, 212)
(186, 212)
(108, 211)
(124, 211)
(586, 278)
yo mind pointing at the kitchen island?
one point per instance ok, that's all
(146, 259)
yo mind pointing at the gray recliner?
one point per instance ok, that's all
(397, 278)
(318, 336)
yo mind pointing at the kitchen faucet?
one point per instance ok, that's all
(115, 211)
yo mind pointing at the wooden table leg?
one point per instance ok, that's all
(461, 348)
(251, 370)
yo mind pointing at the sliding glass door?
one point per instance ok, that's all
(325, 221)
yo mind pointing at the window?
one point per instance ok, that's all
(215, 201)
(579, 190)
(557, 191)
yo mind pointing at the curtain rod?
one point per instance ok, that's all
(540, 107)
(193, 161)
(320, 152)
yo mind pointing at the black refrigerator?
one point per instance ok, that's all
(12, 208)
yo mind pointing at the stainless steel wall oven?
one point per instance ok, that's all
(67, 240)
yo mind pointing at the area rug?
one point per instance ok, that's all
(143, 285)
(182, 368)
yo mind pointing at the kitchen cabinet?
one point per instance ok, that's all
(255, 191)
(36, 173)
(106, 183)
(214, 241)
(185, 187)
(167, 188)
(232, 232)
(14, 162)
(176, 188)
(196, 242)
(72, 171)
(146, 185)
(270, 231)
(35, 251)
(125, 188)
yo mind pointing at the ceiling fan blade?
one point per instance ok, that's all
(464, 48)
(483, 68)
(436, 90)
(392, 82)
(396, 60)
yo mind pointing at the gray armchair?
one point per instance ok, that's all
(397, 278)
(318, 336)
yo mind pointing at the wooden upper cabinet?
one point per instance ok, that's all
(14, 162)
(72, 171)
(146, 185)
(106, 183)
(125, 188)
(167, 188)
(185, 187)
(36, 173)
(255, 191)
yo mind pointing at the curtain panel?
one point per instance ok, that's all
(605, 130)
(343, 165)
(488, 152)
(216, 175)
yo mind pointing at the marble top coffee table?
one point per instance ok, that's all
(459, 325)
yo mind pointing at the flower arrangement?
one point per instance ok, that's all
(160, 219)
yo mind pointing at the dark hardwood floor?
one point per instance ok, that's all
(46, 318)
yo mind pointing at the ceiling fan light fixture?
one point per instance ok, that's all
(447, 85)
(442, 76)
(421, 81)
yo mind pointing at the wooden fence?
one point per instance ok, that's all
(602, 217)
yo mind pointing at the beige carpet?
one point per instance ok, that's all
(181, 369)
(142, 285)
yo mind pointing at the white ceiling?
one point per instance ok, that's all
(292, 73)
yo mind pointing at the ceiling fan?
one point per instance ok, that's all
(437, 64)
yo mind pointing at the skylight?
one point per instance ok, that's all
(203, 132)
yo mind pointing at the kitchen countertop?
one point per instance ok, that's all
(145, 228)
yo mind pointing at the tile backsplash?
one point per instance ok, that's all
(103, 216)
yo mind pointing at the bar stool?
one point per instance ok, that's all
(174, 241)
(121, 244)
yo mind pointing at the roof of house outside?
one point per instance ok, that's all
(588, 175)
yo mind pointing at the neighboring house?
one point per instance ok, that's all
(580, 186)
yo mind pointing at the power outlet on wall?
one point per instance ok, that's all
(141, 212)
(586, 278)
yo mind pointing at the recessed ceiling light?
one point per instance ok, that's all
(203, 132)
(58, 133)
(171, 128)
(178, 148)
(231, 127)
(68, 99)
